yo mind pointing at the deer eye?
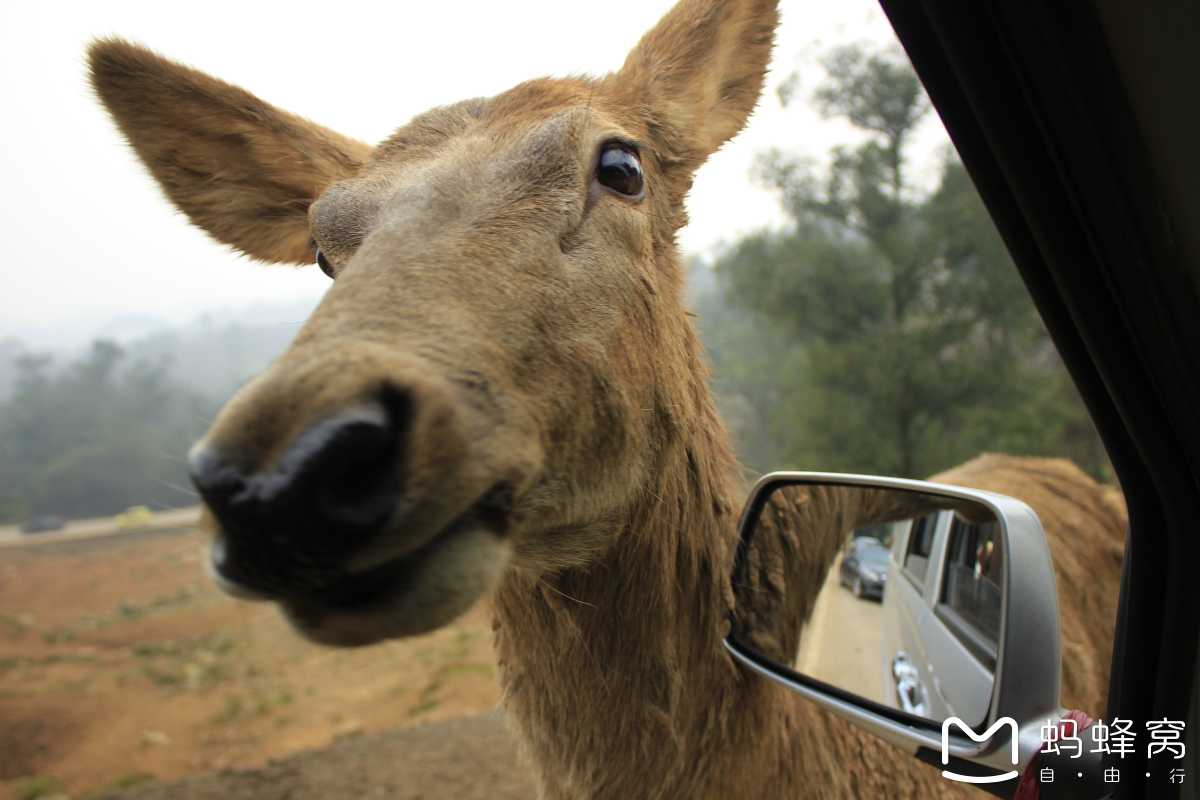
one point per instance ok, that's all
(620, 169)
(324, 264)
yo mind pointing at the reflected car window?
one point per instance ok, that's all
(920, 543)
(877, 556)
(971, 595)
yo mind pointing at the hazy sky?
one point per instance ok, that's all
(88, 237)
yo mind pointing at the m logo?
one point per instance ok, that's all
(981, 737)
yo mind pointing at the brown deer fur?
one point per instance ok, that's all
(562, 450)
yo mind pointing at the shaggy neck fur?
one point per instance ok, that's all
(616, 679)
(614, 672)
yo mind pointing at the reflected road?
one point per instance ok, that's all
(841, 643)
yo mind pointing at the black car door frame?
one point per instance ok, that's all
(1032, 97)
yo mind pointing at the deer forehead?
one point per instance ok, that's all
(476, 166)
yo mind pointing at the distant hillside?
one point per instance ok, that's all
(212, 358)
(214, 354)
(92, 431)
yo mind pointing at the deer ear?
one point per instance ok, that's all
(700, 71)
(241, 169)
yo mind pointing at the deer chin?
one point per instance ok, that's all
(411, 594)
(414, 594)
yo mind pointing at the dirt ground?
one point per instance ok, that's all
(456, 759)
(120, 662)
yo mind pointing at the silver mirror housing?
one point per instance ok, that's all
(1027, 668)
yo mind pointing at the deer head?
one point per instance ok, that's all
(504, 355)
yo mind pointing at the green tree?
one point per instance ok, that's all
(914, 343)
(758, 369)
(95, 438)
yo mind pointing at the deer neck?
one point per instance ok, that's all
(614, 674)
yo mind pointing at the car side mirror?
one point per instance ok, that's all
(925, 614)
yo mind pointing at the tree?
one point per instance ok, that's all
(95, 438)
(918, 345)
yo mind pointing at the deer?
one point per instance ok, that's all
(502, 395)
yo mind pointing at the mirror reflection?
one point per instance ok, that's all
(892, 595)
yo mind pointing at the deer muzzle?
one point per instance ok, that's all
(376, 519)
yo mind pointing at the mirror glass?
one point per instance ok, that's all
(895, 596)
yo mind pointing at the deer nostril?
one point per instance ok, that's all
(333, 489)
(219, 485)
(358, 484)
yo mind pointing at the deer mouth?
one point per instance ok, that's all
(412, 595)
(407, 595)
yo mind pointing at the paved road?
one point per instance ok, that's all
(10, 536)
(841, 645)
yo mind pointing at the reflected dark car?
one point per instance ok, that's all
(864, 568)
(42, 524)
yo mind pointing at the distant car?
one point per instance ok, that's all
(134, 517)
(43, 524)
(865, 567)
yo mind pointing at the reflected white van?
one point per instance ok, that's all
(941, 617)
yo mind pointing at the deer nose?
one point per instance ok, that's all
(287, 530)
